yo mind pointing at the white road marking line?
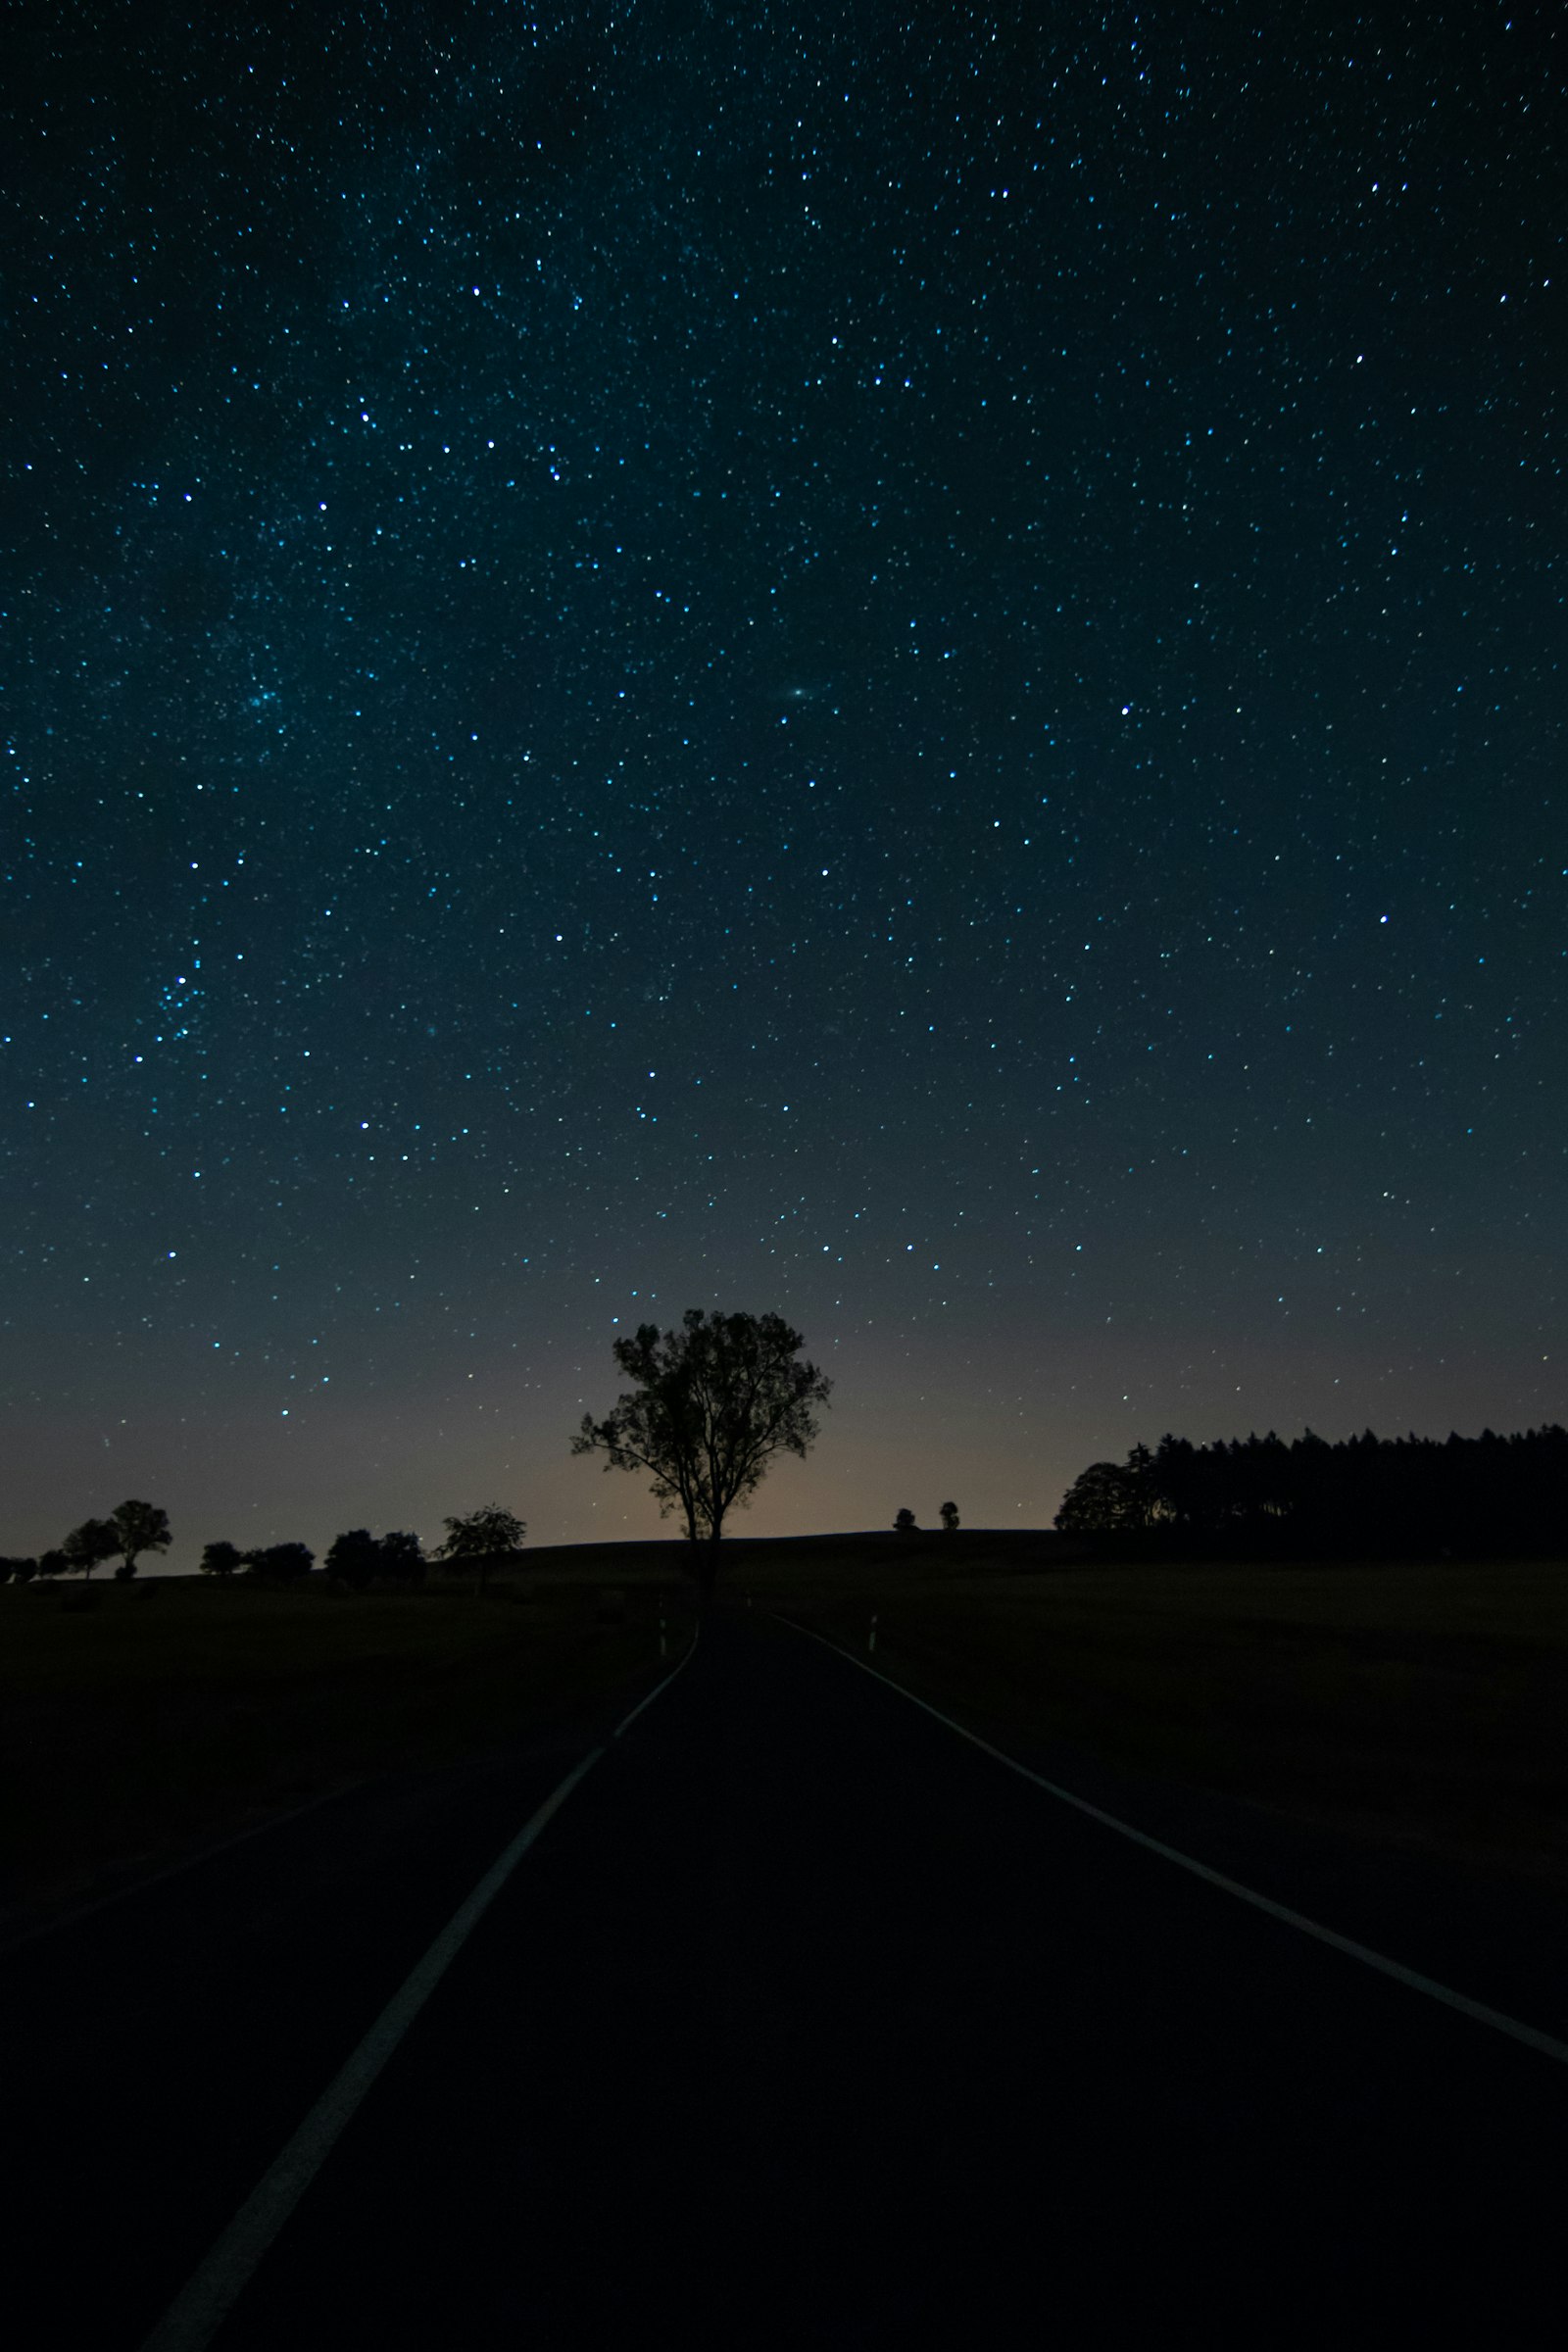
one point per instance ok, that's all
(1544, 2044)
(199, 2310)
(627, 1720)
(204, 2301)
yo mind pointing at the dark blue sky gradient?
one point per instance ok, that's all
(878, 663)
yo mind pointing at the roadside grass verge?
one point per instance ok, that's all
(166, 1715)
(1423, 1705)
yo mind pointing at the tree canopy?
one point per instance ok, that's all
(357, 1558)
(353, 1556)
(402, 1556)
(486, 1536)
(280, 1563)
(89, 1544)
(1107, 1495)
(709, 1405)
(138, 1527)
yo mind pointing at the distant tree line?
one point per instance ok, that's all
(1364, 1494)
(484, 1539)
(130, 1529)
(478, 1542)
(264, 1563)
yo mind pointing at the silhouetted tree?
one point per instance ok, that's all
(22, 1570)
(53, 1562)
(221, 1559)
(280, 1563)
(402, 1557)
(138, 1527)
(905, 1523)
(1105, 1495)
(1173, 1479)
(354, 1556)
(88, 1545)
(711, 1405)
(485, 1537)
(1156, 1507)
(950, 1518)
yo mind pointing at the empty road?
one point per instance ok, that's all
(803, 2020)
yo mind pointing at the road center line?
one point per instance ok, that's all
(1544, 2044)
(199, 2308)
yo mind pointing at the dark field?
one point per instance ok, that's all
(173, 1712)
(1420, 1705)
(1423, 1706)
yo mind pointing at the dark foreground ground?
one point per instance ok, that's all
(804, 2022)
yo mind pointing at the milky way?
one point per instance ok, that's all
(882, 664)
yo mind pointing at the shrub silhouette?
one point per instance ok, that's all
(280, 1563)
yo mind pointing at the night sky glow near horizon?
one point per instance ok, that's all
(899, 663)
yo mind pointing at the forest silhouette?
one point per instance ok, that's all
(1365, 1497)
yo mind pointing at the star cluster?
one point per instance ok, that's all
(906, 667)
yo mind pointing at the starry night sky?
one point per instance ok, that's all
(878, 661)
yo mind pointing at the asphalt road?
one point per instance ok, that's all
(803, 2022)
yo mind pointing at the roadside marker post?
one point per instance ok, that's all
(664, 1645)
(871, 1640)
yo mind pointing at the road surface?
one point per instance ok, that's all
(803, 2022)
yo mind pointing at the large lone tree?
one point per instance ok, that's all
(709, 1407)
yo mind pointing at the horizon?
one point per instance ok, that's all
(639, 1522)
